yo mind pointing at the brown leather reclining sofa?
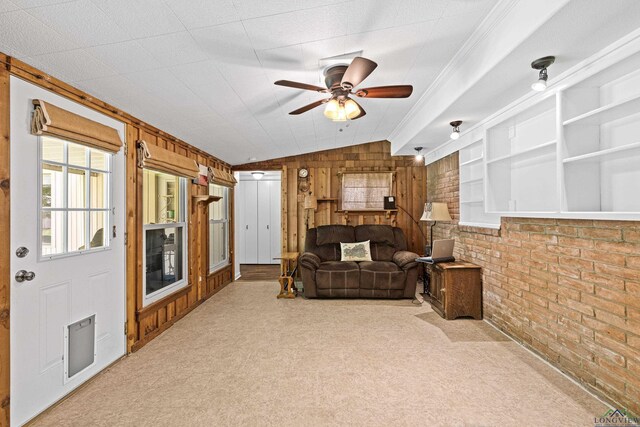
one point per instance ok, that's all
(393, 273)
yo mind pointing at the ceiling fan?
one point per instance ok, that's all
(341, 81)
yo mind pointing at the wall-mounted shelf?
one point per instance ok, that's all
(523, 152)
(471, 181)
(472, 161)
(599, 155)
(367, 211)
(607, 113)
(206, 199)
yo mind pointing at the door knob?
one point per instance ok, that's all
(23, 275)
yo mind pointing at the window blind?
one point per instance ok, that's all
(47, 119)
(157, 158)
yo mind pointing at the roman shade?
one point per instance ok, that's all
(50, 120)
(153, 157)
(217, 176)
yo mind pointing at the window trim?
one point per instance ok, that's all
(184, 224)
(110, 210)
(227, 260)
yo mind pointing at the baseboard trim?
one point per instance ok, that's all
(597, 395)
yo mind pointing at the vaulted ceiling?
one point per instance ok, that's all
(203, 70)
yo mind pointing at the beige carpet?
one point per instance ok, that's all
(246, 358)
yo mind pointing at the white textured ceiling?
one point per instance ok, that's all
(203, 70)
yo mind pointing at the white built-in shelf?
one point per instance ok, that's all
(607, 113)
(520, 153)
(471, 181)
(472, 161)
(471, 202)
(598, 155)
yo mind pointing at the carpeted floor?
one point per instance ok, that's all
(246, 358)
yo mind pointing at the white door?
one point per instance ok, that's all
(65, 202)
(264, 222)
(275, 225)
(250, 222)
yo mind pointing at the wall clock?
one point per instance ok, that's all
(303, 173)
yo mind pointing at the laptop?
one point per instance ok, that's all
(442, 252)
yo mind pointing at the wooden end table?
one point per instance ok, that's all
(456, 289)
(288, 268)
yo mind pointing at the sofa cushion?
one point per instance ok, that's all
(338, 275)
(401, 241)
(359, 251)
(335, 234)
(382, 252)
(325, 252)
(381, 275)
(375, 233)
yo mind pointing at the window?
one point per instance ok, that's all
(218, 228)
(75, 184)
(165, 234)
(365, 191)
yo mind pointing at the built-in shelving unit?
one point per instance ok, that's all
(575, 153)
(472, 208)
(601, 162)
(521, 161)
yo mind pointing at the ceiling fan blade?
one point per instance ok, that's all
(400, 91)
(297, 85)
(308, 107)
(359, 70)
(362, 112)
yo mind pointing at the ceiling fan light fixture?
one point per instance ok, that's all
(331, 110)
(419, 155)
(257, 175)
(351, 109)
(542, 64)
(455, 132)
(342, 114)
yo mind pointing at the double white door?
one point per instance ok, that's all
(261, 215)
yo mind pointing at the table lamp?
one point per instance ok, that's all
(434, 212)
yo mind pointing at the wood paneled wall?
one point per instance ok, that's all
(142, 324)
(155, 318)
(324, 182)
(5, 248)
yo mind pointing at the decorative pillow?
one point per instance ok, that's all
(359, 251)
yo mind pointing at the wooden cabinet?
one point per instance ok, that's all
(456, 289)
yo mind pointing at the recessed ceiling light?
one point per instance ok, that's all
(455, 132)
(542, 64)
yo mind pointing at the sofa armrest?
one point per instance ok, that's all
(310, 261)
(405, 259)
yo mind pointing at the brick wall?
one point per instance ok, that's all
(567, 289)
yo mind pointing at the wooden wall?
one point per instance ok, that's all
(5, 248)
(324, 170)
(142, 324)
(155, 318)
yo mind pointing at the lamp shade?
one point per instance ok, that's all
(310, 202)
(435, 212)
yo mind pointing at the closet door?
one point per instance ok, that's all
(264, 222)
(250, 222)
(274, 206)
